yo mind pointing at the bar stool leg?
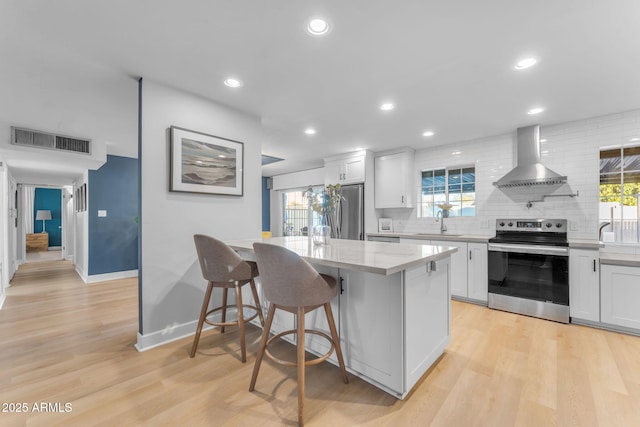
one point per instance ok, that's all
(262, 346)
(257, 301)
(243, 346)
(203, 315)
(225, 292)
(336, 341)
(300, 342)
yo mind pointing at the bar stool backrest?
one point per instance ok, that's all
(220, 263)
(290, 281)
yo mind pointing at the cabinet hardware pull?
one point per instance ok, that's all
(402, 199)
(470, 255)
(341, 287)
(594, 265)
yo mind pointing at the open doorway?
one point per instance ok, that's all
(45, 223)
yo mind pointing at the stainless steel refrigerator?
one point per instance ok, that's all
(352, 212)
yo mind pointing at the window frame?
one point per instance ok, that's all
(421, 211)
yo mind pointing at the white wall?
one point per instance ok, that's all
(571, 149)
(81, 246)
(172, 284)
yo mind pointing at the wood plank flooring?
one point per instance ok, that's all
(65, 342)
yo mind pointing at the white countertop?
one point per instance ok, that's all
(436, 236)
(373, 257)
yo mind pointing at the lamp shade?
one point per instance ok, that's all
(43, 215)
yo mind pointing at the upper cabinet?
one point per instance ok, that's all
(349, 169)
(394, 180)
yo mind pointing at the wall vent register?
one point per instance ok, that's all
(51, 141)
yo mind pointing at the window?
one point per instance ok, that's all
(454, 186)
(296, 212)
(620, 194)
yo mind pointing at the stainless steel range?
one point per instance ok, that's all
(529, 268)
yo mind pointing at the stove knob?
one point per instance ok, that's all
(549, 225)
(502, 224)
(559, 225)
(510, 224)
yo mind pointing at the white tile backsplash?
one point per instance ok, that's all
(573, 150)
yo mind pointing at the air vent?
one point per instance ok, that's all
(33, 138)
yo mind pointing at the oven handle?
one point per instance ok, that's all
(530, 249)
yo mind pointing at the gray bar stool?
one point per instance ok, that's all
(292, 284)
(225, 269)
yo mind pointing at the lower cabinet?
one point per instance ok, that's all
(459, 286)
(469, 268)
(620, 296)
(584, 284)
(477, 272)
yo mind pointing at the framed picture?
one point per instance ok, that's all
(202, 163)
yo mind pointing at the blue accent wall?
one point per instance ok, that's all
(49, 199)
(266, 205)
(113, 240)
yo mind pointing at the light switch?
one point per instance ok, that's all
(102, 213)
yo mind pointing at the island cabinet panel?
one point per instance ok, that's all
(317, 320)
(428, 320)
(620, 296)
(371, 327)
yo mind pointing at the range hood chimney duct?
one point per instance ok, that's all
(529, 171)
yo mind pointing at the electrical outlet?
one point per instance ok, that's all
(573, 225)
(102, 213)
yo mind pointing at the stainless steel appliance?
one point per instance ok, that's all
(529, 170)
(529, 268)
(352, 212)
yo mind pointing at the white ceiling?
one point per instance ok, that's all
(447, 65)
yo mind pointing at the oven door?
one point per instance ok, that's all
(539, 273)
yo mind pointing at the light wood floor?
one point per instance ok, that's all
(62, 341)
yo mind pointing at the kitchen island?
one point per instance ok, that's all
(393, 308)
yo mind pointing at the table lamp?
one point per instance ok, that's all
(43, 215)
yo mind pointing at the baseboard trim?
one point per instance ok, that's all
(176, 332)
(110, 276)
(167, 335)
(2, 298)
(81, 273)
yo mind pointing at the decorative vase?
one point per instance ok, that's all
(321, 234)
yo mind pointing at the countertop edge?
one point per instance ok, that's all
(625, 260)
(444, 237)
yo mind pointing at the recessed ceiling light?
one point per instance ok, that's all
(525, 63)
(310, 131)
(634, 139)
(231, 82)
(428, 133)
(222, 156)
(318, 27)
(536, 110)
(543, 140)
(456, 153)
(387, 106)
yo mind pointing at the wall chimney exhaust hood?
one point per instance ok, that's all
(529, 171)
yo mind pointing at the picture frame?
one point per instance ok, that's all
(202, 163)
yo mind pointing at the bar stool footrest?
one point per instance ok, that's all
(307, 362)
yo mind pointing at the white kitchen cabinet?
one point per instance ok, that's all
(348, 170)
(459, 286)
(477, 272)
(620, 295)
(371, 324)
(394, 179)
(584, 284)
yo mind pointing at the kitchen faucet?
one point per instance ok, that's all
(439, 217)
